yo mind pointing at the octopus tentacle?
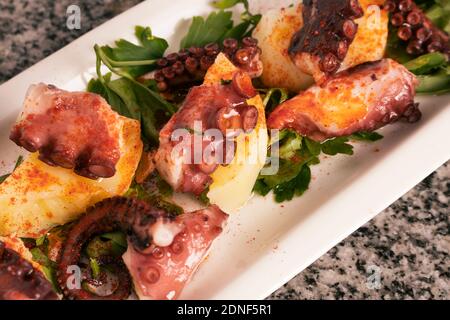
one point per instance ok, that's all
(328, 31)
(163, 251)
(190, 65)
(126, 214)
(19, 280)
(414, 27)
(219, 106)
(341, 107)
(50, 125)
(163, 269)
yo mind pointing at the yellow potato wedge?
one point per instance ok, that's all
(37, 197)
(274, 33)
(233, 184)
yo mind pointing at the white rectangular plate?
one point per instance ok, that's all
(266, 243)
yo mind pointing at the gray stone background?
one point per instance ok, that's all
(408, 243)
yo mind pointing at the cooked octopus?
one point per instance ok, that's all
(363, 98)
(163, 250)
(337, 35)
(73, 130)
(218, 106)
(416, 29)
(329, 29)
(19, 279)
(189, 66)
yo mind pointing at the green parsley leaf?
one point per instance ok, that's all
(274, 97)
(337, 145)
(95, 267)
(287, 171)
(261, 188)
(4, 177)
(313, 146)
(156, 191)
(134, 100)
(239, 31)
(18, 163)
(127, 96)
(297, 186)
(212, 29)
(101, 246)
(117, 237)
(101, 88)
(367, 136)
(225, 4)
(290, 145)
(41, 241)
(134, 60)
(426, 63)
(438, 83)
(48, 266)
(296, 155)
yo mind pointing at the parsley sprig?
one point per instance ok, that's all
(127, 96)
(219, 25)
(296, 154)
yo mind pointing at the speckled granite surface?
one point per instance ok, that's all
(402, 254)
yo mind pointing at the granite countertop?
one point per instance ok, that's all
(401, 254)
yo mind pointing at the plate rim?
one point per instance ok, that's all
(286, 240)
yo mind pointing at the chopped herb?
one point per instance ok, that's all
(100, 246)
(95, 267)
(145, 105)
(157, 192)
(48, 267)
(4, 177)
(366, 136)
(40, 257)
(296, 155)
(117, 237)
(42, 241)
(274, 97)
(335, 146)
(297, 186)
(438, 83)
(438, 11)
(225, 4)
(18, 163)
(313, 146)
(203, 197)
(291, 144)
(426, 63)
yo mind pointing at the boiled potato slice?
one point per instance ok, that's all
(233, 184)
(277, 27)
(274, 33)
(371, 39)
(37, 197)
